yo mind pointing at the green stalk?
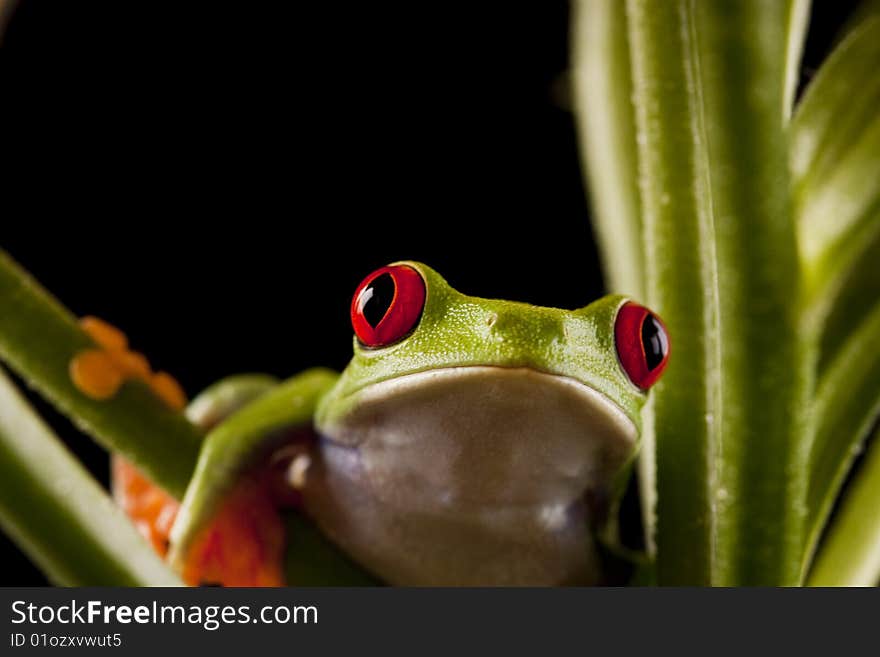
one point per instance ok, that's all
(39, 338)
(796, 35)
(865, 10)
(677, 221)
(835, 161)
(709, 81)
(847, 404)
(834, 156)
(850, 304)
(603, 101)
(831, 117)
(59, 515)
(850, 555)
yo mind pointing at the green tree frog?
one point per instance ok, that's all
(468, 442)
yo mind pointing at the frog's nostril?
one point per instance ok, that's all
(491, 319)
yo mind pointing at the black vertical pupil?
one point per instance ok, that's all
(653, 341)
(377, 296)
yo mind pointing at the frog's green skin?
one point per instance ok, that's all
(476, 450)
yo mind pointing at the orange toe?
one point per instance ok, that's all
(95, 373)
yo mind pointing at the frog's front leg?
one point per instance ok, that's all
(150, 508)
(228, 529)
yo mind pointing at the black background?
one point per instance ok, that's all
(217, 179)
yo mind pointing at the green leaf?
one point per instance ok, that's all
(709, 80)
(820, 134)
(796, 34)
(835, 160)
(835, 163)
(850, 553)
(39, 338)
(59, 515)
(603, 102)
(865, 10)
(676, 215)
(846, 405)
(850, 304)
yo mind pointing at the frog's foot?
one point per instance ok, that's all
(243, 542)
(252, 466)
(100, 372)
(150, 508)
(243, 545)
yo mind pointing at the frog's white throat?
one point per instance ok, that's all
(470, 475)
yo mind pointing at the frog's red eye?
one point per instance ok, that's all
(387, 305)
(642, 344)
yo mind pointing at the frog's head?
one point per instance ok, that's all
(469, 439)
(413, 330)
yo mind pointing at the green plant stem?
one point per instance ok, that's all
(676, 215)
(847, 404)
(830, 117)
(850, 553)
(603, 101)
(722, 269)
(850, 304)
(835, 163)
(796, 34)
(59, 515)
(39, 338)
(865, 10)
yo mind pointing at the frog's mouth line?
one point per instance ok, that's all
(496, 376)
